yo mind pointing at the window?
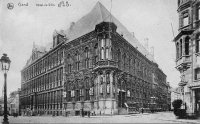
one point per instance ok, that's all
(177, 50)
(101, 88)
(128, 93)
(91, 91)
(185, 19)
(108, 88)
(180, 48)
(77, 95)
(108, 78)
(102, 48)
(69, 96)
(87, 94)
(69, 60)
(77, 55)
(198, 12)
(124, 59)
(87, 57)
(96, 53)
(119, 57)
(197, 43)
(72, 93)
(187, 45)
(106, 49)
(197, 74)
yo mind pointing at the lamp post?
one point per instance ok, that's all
(5, 64)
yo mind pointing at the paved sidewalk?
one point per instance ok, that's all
(160, 117)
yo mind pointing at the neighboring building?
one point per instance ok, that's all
(42, 79)
(187, 54)
(12, 103)
(175, 94)
(96, 65)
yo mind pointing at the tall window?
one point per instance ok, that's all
(177, 50)
(69, 63)
(180, 48)
(197, 43)
(96, 53)
(198, 12)
(185, 19)
(106, 49)
(87, 90)
(124, 59)
(119, 57)
(77, 95)
(101, 84)
(77, 55)
(87, 57)
(108, 83)
(187, 45)
(102, 48)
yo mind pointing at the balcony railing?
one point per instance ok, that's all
(105, 63)
(183, 62)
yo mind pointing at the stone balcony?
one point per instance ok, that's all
(183, 63)
(105, 64)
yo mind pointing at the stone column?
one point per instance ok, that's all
(111, 91)
(97, 89)
(104, 90)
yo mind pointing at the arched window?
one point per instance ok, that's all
(181, 48)
(187, 45)
(77, 55)
(87, 57)
(177, 50)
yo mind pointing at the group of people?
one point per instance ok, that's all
(82, 113)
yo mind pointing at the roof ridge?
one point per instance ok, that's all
(98, 4)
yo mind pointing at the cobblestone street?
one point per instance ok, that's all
(161, 117)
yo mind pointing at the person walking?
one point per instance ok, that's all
(142, 110)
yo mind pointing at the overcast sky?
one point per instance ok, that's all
(22, 26)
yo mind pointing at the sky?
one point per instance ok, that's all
(23, 25)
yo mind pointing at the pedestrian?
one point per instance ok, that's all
(89, 114)
(142, 110)
(82, 112)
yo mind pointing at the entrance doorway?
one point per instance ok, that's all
(121, 99)
(197, 101)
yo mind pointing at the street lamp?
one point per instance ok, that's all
(5, 65)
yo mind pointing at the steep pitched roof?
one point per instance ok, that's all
(97, 15)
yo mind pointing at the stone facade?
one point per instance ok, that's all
(187, 54)
(102, 72)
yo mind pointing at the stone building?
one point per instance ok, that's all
(42, 79)
(95, 66)
(187, 54)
